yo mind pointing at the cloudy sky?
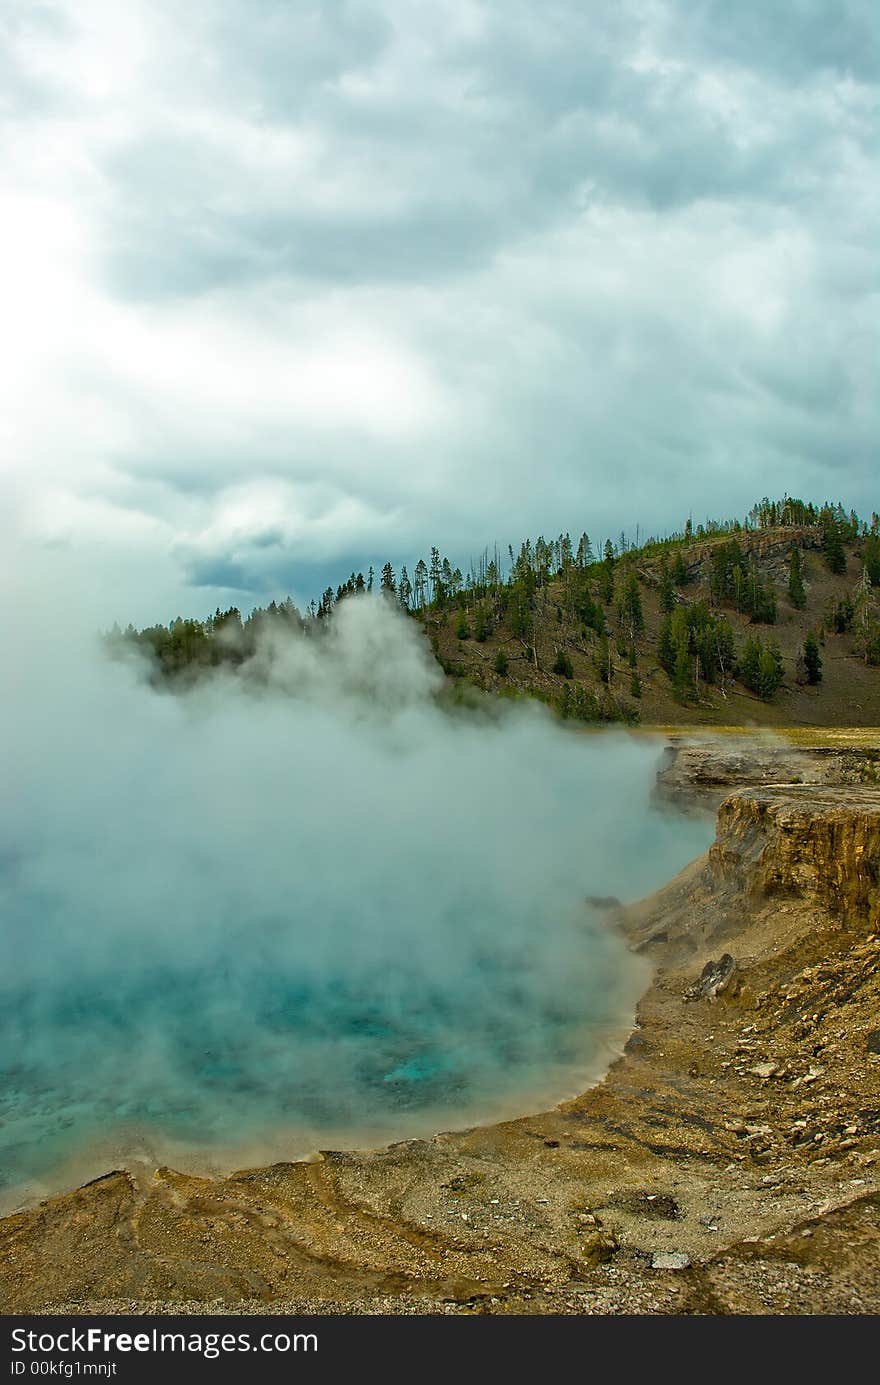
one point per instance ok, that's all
(291, 287)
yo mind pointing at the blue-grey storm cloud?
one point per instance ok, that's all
(282, 280)
(302, 901)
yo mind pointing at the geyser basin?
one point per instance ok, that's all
(265, 921)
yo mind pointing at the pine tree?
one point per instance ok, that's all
(769, 672)
(667, 587)
(760, 668)
(679, 571)
(796, 593)
(872, 645)
(682, 677)
(718, 652)
(666, 646)
(584, 552)
(606, 581)
(767, 604)
(388, 582)
(812, 659)
(726, 558)
(435, 573)
(520, 611)
(748, 663)
(630, 608)
(841, 614)
(871, 559)
(501, 664)
(562, 665)
(757, 597)
(832, 545)
(463, 630)
(591, 613)
(719, 580)
(404, 590)
(602, 659)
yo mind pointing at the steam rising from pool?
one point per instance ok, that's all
(302, 903)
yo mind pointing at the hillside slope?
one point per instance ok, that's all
(773, 621)
(848, 693)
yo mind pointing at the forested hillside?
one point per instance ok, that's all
(774, 619)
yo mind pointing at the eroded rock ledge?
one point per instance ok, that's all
(727, 1163)
(703, 773)
(777, 851)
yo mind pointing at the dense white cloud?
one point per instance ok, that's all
(290, 287)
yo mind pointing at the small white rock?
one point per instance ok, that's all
(670, 1260)
(764, 1069)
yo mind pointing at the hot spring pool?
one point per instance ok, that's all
(256, 1051)
(225, 941)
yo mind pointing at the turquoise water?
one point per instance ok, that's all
(410, 952)
(223, 1055)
